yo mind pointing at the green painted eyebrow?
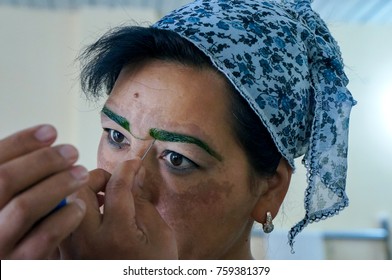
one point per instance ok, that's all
(166, 136)
(161, 135)
(121, 121)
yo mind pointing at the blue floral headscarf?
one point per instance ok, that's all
(282, 59)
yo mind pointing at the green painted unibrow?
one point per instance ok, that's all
(166, 136)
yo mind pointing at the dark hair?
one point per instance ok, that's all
(134, 45)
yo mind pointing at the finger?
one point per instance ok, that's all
(119, 202)
(151, 223)
(97, 181)
(20, 173)
(45, 238)
(158, 232)
(29, 207)
(97, 184)
(26, 141)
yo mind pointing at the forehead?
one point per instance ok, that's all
(172, 94)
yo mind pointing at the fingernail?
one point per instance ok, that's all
(79, 173)
(69, 153)
(45, 133)
(140, 176)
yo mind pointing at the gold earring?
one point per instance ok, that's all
(268, 227)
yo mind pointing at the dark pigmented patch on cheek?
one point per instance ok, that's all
(136, 95)
(205, 197)
(208, 192)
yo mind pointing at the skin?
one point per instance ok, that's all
(202, 211)
(28, 227)
(164, 207)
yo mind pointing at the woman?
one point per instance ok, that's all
(217, 98)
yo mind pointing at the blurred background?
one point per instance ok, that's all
(41, 39)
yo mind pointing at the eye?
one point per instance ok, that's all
(116, 138)
(177, 161)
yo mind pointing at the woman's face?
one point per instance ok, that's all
(196, 173)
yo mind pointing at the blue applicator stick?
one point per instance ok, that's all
(60, 205)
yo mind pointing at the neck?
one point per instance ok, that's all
(241, 250)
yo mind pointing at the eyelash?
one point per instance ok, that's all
(112, 142)
(165, 153)
(169, 164)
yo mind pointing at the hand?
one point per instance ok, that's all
(130, 226)
(34, 178)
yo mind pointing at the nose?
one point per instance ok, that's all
(140, 148)
(148, 149)
(149, 189)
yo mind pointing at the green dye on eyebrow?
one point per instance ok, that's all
(121, 121)
(167, 136)
(161, 135)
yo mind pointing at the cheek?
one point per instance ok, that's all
(206, 217)
(208, 199)
(106, 160)
(204, 194)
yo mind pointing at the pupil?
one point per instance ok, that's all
(176, 159)
(118, 137)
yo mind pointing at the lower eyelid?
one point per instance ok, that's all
(190, 162)
(179, 171)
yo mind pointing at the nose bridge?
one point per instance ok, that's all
(140, 148)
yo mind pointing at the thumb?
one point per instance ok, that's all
(159, 234)
(119, 201)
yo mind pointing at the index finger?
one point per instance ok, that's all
(26, 141)
(97, 181)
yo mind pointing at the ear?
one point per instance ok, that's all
(275, 190)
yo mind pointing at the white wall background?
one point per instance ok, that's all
(39, 84)
(39, 71)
